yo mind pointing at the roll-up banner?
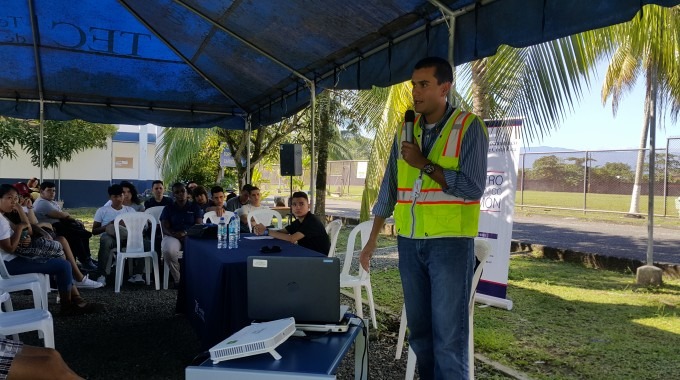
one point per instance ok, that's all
(496, 211)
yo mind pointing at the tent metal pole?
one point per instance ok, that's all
(312, 175)
(38, 73)
(242, 40)
(115, 105)
(248, 134)
(179, 54)
(451, 17)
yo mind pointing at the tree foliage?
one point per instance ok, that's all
(62, 139)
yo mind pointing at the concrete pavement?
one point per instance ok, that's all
(587, 237)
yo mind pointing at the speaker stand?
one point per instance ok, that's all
(290, 202)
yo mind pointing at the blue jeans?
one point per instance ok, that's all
(436, 275)
(60, 268)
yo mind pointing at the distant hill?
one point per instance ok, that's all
(628, 157)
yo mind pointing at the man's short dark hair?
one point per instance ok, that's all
(177, 185)
(253, 188)
(47, 185)
(216, 189)
(115, 190)
(157, 181)
(300, 194)
(442, 68)
(247, 187)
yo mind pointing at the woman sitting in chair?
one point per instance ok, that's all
(13, 236)
(44, 231)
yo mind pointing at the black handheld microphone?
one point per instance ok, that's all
(409, 118)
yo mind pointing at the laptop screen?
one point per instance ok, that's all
(306, 288)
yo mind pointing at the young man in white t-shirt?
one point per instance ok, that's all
(103, 225)
(254, 200)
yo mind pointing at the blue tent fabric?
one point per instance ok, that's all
(190, 63)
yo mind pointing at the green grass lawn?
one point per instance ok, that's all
(606, 202)
(571, 322)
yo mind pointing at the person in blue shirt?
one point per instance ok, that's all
(176, 219)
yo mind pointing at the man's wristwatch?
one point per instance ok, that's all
(266, 232)
(428, 169)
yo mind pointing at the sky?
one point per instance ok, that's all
(592, 126)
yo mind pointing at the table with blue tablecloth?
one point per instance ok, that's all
(215, 282)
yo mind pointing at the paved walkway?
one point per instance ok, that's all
(609, 239)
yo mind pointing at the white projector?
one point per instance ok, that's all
(257, 338)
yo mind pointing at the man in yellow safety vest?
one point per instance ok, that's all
(433, 185)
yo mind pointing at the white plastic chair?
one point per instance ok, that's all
(482, 251)
(135, 223)
(363, 278)
(211, 216)
(265, 215)
(21, 321)
(37, 283)
(333, 230)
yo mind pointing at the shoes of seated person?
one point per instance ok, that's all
(102, 280)
(69, 309)
(86, 283)
(89, 265)
(136, 279)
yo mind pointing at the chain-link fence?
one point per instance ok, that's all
(601, 180)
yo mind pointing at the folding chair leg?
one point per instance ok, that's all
(156, 272)
(371, 304)
(411, 365)
(357, 302)
(402, 333)
(120, 263)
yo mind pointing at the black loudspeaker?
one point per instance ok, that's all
(291, 159)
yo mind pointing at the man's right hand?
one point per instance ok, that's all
(366, 254)
(219, 211)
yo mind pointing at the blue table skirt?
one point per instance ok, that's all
(215, 283)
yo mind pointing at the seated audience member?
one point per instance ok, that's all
(48, 211)
(307, 230)
(254, 203)
(24, 362)
(43, 238)
(130, 197)
(34, 186)
(200, 195)
(158, 199)
(176, 220)
(12, 236)
(191, 185)
(103, 226)
(236, 203)
(218, 200)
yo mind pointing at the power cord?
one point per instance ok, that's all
(364, 331)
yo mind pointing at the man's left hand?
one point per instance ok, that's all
(412, 155)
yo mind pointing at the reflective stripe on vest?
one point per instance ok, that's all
(435, 213)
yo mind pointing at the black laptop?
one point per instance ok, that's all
(306, 288)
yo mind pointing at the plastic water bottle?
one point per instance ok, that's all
(237, 225)
(222, 234)
(233, 238)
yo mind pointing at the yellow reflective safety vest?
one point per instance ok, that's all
(433, 213)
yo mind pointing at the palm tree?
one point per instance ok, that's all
(536, 83)
(541, 83)
(646, 46)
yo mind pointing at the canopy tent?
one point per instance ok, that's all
(190, 63)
